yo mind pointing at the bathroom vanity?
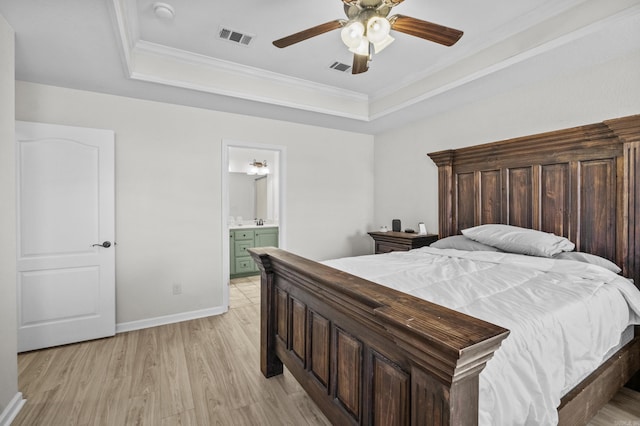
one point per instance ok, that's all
(242, 238)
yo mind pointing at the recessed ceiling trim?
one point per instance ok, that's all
(166, 70)
(124, 15)
(153, 78)
(238, 69)
(555, 43)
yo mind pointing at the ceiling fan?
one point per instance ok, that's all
(368, 29)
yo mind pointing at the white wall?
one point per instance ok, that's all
(8, 323)
(168, 191)
(406, 179)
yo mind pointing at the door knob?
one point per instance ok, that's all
(106, 244)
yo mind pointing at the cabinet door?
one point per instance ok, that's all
(267, 238)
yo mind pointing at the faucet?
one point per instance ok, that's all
(259, 222)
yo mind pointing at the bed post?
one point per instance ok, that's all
(446, 221)
(270, 364)
(433, 403)
(444, 372)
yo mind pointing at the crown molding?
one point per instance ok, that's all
(154, 78)
(143, 46)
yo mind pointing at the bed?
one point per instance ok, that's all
(369, 354)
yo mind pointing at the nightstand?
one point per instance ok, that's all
(400, 241)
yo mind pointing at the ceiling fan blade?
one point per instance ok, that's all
(426, 30)
(360, 64)
(308, 33)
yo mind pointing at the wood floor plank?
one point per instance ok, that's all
(629, 401)
(175, 387)
(200, 372)
(308, 409)
(143, 410)
(207, 396)
(112, 405)
(38, 410)
(123, 353)
(146, 363)
(622, 410)
(61, 365)
(93, 369)
(186, 418)
(33, 367)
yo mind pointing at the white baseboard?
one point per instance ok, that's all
(168, 319)
(12, 410)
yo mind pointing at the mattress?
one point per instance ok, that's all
(565, 318)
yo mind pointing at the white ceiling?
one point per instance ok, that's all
(122, 47)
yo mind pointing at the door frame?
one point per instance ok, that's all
(282, 198)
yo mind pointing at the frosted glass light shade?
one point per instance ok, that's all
(352, 34)
(362, 48)
(378, 29)
(377, 47)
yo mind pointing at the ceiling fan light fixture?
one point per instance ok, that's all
(378, 29)
(352, 34)
(366, 30)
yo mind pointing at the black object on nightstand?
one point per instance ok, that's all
(400, 241)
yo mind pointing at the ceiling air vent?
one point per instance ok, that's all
(339, 66)
(236, 37)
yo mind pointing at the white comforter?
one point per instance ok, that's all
(563, 315)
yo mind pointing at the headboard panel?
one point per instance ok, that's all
(581, 183)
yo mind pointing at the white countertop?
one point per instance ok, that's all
(253, 226)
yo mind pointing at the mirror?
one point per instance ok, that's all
(248, 196)
(252, 196)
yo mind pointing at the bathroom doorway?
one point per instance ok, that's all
(253, 197)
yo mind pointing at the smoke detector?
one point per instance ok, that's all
(164, 11)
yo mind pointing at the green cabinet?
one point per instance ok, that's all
(267, 237)
(240, 240)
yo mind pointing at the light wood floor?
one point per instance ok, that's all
(200, 372)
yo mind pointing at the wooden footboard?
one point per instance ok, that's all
(368, 354)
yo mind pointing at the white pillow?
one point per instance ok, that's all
(589, 258)
(514, 239)
(460, 242)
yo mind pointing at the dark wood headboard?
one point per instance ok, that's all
(582, 183)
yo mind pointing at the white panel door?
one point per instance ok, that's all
(66, 229)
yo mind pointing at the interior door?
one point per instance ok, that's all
(66, 228)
